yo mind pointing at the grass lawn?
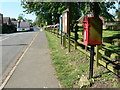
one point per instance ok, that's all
(112, 37)
(71, 66)
(106, 33)
(110, 33)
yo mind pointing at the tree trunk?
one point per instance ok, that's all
(95, 9)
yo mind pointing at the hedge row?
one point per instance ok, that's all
(8, 28)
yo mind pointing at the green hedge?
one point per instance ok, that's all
(8, 28)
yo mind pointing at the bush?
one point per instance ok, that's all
(8, 28)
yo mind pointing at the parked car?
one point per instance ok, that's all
(57, 26)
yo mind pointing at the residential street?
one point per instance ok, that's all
(59, 44)
(35, 68)
(13, 45)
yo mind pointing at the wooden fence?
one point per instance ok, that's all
(103, 55)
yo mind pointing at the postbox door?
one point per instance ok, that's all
(95, 32)
(86, 31)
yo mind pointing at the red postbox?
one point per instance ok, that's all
(92, 31)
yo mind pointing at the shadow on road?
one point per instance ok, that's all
(15, 45)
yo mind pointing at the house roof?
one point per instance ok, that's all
(6, 19)
(80, 20)
(1, 14)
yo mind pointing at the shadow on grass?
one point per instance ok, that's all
(110, 39)
(116, 65)
(111, 29)
(100, 75)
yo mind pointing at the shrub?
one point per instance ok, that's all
(8, 28)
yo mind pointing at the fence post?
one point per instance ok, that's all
(64, 40)
(69, 41)
(76, 35)
(86, 51)
(48, 29)
(54, 30)
(61, 38)
(69, 33)
(51, 30)
(98, 55)
(58, 32)
(91, 62)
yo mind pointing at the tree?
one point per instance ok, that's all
(28, 20)
(99, 8)
(21, 17)
(13, 19)
(105, 7)
(39, 20)
(51, 11)
(118, 14)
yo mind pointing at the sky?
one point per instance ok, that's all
(12, 9)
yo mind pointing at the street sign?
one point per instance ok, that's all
(60, 22)
(65, 16)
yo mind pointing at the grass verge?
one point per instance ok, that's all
(71, 66)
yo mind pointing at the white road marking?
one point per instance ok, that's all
(45, 87)
(8, 36)
(4, 38)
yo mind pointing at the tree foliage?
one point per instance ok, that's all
(28, 20)
(21, 17)
(118, 14)
(13, 19)
(50, 11)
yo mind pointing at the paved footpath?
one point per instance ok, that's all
(35, 69)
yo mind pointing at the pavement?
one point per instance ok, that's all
(35, 68)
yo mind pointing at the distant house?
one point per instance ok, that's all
(14, 23)
(1, 19)
(80, 20)
(6, 20)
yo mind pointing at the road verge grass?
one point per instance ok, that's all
(71, 66)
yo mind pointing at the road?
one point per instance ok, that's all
(35, 68)
(12, 46)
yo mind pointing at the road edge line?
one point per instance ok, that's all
(14, 68)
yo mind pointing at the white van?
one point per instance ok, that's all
(23, 26)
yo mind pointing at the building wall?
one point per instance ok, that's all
(9, 22)
(1, 19)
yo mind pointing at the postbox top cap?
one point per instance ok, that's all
(67, 10)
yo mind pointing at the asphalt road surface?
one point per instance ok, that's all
(12, 46)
